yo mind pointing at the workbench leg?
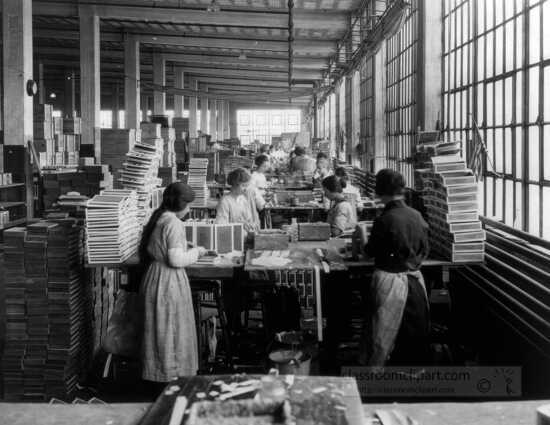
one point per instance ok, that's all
(318, 307)
(223, 323)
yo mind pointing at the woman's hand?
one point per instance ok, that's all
(202, 251)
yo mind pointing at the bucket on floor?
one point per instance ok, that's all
(291, 362)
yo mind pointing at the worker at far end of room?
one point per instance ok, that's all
(302, 163)
(323, 169)
(397, 323)
(169, 346)
(342, 215)
(239, 205)
(258, 180)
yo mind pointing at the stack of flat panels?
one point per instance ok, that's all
(45, 300)
(16, 318)
(112, 228)
(140, 174)
(222, 238)
(72, 125)
(115, 144)
(198, 144)
(169, 155)
(68, 339)
(450, 195)
(167, 175)
(213, 163)
(43, 121)
(198, 173)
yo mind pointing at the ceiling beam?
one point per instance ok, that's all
(304, 19)
(299, 63)
(301, 47)
(303, 63)
(254, 82)
(275, 75)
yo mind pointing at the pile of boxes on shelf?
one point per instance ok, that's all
(88, 180)
(6, 179)
(450, 195)
(56, 140)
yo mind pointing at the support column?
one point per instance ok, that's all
(17, 70)
(204, 113)
(69, 104)
(90, 93)
(233, 121)
(17, 108)
(193, 109)
(212, 126)
(226, 120)
(315, 117)
(430, 50)
(219, 109)
(131, 81)
(41, 86)
(159, 78)
(115, 106)
(144, 104)
(179, 78)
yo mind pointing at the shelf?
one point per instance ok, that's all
(11, 204)
(14, 223)
(8, 186)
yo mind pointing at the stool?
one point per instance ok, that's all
(213, 286)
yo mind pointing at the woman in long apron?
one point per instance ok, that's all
(397, 323)
(170, 339)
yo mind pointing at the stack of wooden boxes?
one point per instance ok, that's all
(450, 196)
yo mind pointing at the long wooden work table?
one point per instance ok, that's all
(303, 256)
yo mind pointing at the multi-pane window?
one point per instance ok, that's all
(496, 70)
(355, 112)
(367, 110)
(264, 124)
(401, 66)
(332, 100)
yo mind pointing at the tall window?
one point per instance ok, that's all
(401, 122)
(367, 109)
(497, 71)
(263, 124)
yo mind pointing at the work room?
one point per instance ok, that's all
(275, 211)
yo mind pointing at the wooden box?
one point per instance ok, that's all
(313, 232)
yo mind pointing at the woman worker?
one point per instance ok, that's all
(323, 169)
(397, 324)
(239, 205)
(342, 215)
(170, 340)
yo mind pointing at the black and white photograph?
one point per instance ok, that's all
(260, 212)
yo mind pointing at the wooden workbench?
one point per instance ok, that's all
(475, 413)
(160, 411)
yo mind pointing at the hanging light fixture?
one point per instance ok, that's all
(214, 7)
